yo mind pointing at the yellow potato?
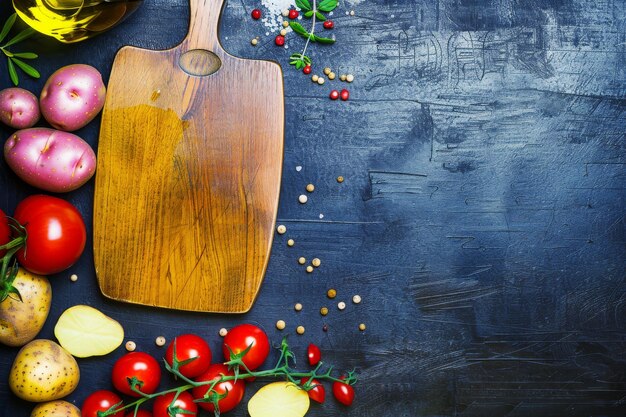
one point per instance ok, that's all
(21, 321)
(279, 399)
(43, 371)
(57, 408)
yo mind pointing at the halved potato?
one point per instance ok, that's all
(279, 399)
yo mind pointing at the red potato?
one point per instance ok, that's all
(49, 159)
(19, 108)
(72, 97)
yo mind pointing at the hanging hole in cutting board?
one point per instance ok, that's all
(199, 62)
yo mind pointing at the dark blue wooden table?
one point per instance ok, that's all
(481, 218)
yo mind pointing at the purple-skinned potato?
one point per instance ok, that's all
(19, 108)
(50, 159)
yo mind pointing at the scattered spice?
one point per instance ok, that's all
(344, 95)
(160, 341)
(223, 331)
(332, 75)
(349, 78)
(325, 328)
(303, 199)
(281, 229)
(327, 71)
(280, 40)
(285, 13)
(291, 242)
(293, 14)
(73, 277)
(316, 262)
(130, 346)
(254, 41)
(334, 95)
(329, 24)
(256, 14)
(315, 77)
(362, 327)
(280, 324)
(283, 32)
(341, 305)
(356, 299)
(310, 188)
(340, 179)
(309, 269)
(285, 24)
(332, 293)
(321, 80)
(297, 307)
(307, 69)
(300, 330)
(352, 13)
(324, 311)
(302, 260)
(343, 77)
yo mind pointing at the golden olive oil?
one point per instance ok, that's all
(73, 20)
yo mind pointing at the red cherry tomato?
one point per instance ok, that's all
(256, 14)
(140, 413)
(334, 95)
(343, 392)
(141, 366)
(100, 401)
(56, 234)
(314, 353)
(183, 402)
(240, 337)
(293, 14)
(280, 40)
(318, 392)
(307, 69)
(328, 24)
(234, 390)
(5, 231)
(190, 346)
(345, 94)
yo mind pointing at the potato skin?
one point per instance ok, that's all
(20, 322)
(58, 408)
(72, 97)
(50, 159)
(19, 108)
(43, 371)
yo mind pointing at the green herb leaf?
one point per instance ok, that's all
(327, 5)
(324, 40)
(25, 55)
(7, 26)
(26, 68)
(303, 4)
(299, 29)
(299, 64)
(25, 34)
(308, 14)
(320, 16)
(12, 71)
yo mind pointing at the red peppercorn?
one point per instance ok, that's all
(345, 94)
(280, 40)
(256, 14)
(293, 14)
(329, 24)
(334, 95)
(307, 69)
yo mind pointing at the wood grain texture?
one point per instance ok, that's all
(189, 173)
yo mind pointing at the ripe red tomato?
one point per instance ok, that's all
(5, 231)
(234, 390)
(100, 401)
(56, 234)
(190, 346)
(139, 365)
(240, 337)
(183, 402)
(318, 392)
(314, 353)
(344, 393)
(140, 413)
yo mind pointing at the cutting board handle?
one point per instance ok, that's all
(203, 25)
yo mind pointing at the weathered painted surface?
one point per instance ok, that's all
(481, 218)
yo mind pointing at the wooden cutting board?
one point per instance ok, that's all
(188, 177)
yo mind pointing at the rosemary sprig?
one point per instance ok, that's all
(15, 59)
(314, 12)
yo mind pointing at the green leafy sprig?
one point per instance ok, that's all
(15, 59)
(283, 370)
(8, 264)
(314, 12)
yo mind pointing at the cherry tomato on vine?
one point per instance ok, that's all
(234, 390)
(100, 401)
(344, 393)
(190, 346)
(240, 337)
(140, 413)
(139, 365)
(5, 231)
(183, 402)
(314, 354)
(318, 392)
(56, 234)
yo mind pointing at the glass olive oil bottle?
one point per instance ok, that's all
(73, 20)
